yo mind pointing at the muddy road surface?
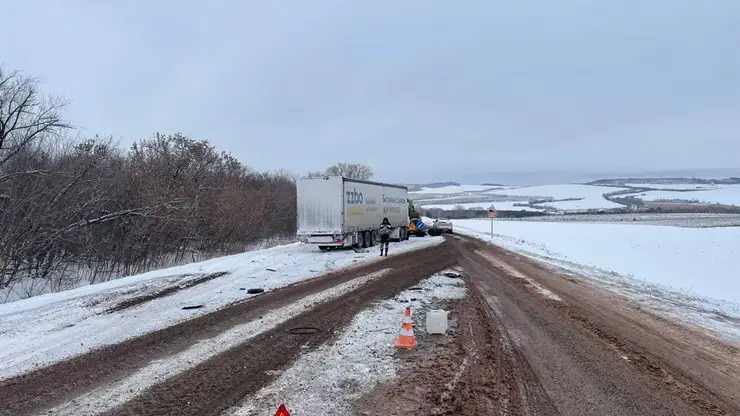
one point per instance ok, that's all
(588, 351)
(533, 342)
(528, 341)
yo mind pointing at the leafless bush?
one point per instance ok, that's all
(75, 210)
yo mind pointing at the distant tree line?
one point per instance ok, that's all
(75, 211)
(463, 213)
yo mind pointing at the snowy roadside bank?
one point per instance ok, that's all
(111, 395)
(687, 273)
(50, 328)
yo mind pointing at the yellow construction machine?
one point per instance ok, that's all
(416, 225)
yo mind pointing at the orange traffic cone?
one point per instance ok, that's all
(406, 338)
(282, 411)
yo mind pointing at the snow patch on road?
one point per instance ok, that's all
(328, 380)
(114, 394)
(46, 329)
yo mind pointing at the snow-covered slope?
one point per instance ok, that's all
(501, 206)
(565, 197)
(689, 272)
(453, 189)
(671, 186)
(49, 328)
(561, 191)
(727, 195)
(702, 261)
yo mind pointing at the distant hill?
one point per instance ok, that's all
(667, 181)
(418, 186)
(480, 174)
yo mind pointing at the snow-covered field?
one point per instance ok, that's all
(452, 189)
(561, 191)
(671, 186)
(583, 205)
(328, 380)
(690, 273)
(727, 195)
(638, 218)
(501, 206)
(565, 197)
(49, 328)
(571, 198)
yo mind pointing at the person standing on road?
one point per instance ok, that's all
(385, 235)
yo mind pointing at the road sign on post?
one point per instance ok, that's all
(492, 213)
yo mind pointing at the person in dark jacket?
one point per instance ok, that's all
(385, 235)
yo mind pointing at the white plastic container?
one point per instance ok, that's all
(437, 321)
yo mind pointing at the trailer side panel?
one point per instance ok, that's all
(320, 205)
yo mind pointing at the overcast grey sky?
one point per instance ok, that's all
(483, 85)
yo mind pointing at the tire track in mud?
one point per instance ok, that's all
(168, 291)
(225, 380)
(518, 390)
(611, 363)
(115, 394)
(479, 373)
(52, 385)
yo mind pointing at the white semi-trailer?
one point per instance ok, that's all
(334, 211)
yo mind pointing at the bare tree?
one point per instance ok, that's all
(316, 174)
(28, 123)
(351, 170)
(73, 210)
(25, 117)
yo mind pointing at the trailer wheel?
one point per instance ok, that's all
(367, 237)
(373, 238)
